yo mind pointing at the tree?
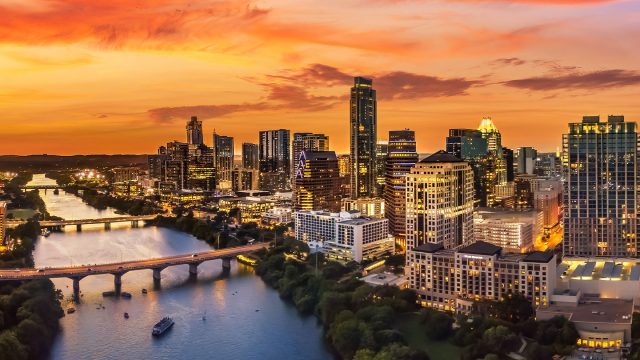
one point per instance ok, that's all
(350, 335)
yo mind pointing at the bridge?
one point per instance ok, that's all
(107, 221)
(77, 273)
(40, 187)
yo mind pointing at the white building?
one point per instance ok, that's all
(371, 207)
(344, 236)
(278, 215)
(513, 231)
(439, 201)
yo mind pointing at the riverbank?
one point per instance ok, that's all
(30, 309)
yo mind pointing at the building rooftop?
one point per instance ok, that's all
(480, 248)
(319, 155)
(429, 248)
(440, 157)
(539, 256)
(595, 310)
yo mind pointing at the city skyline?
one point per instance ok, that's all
(78, 74)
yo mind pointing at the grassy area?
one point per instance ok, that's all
(415, 334)
(23, 214)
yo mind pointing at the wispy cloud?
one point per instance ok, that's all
(602, 79)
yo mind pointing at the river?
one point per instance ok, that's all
(245, 319)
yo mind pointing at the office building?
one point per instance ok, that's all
(223, 154)
(122, 174)
(601, 188)
(317, 181)
(382, 149)
(548, 165)
(275, 160)
(250, 156)
(344, 165)
(513, 231)
(402, 156)
(439, 202)
(369, 207)
(244, 179)
(548, 199)
(453, 279)
(527, 157)
(194, 131)
(3, 221)
(344, 236)
(306, 142)
(363, 134)
(509, 163)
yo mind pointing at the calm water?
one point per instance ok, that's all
(233, 329)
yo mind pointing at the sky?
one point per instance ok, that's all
(124, 76)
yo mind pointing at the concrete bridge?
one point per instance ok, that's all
(40, 187)
(77, 273)
(79, 222)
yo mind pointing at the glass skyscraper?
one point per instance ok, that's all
(363, 125)
(275, 160)
(600, 166)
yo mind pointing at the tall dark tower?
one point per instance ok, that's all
(194, 131)
(363, 124)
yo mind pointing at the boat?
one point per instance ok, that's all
(144, 291)
(126, 315)
(162, 326)
(125, 295)
(71, 310)
(56, 192)
(45, 232)
(109, 293)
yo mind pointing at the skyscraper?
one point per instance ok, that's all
(250, 159)
(382, 149)
(194, 131)
(439, 202)
(363, 125)
(600, 165)
(3, 221)
(223, 154)
(469, 145)
(527, 157)
(317, 181)
(275, 160)
(402, 156)
(306, 142)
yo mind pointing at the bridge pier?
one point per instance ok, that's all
(107, 226)
(156, 276)
(79, 228)
(117, 282)
(226, 263)
(134, 224)
(193, 269)
(76, 288)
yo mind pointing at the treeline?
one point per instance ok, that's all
(358, 319)
(24, 200)
(213, 231)
(20, 255)
(101, 201)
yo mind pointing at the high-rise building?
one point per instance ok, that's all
(223, 154)
(244, 179)
(250, 156)
(369, 207)
(344, 165)
(3, 221)
(513, 231)
(363, 127)
(527, 157)
(382, 149)
(509, 163)
(194, 131)
(600, 161)
(306, 142)
(402, 156)
(548, 164)
(275, 160)
(317, 181)
(439, 202)
(469, 145)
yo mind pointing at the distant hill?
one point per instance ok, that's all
(57, 162)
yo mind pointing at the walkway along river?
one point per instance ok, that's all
(245, 319)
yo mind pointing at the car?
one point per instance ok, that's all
(40, 270)
(194, 255)
(120, 268)
(89, 269)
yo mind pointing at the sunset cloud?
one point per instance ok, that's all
(603, 79)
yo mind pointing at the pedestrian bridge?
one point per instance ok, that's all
(117, 269)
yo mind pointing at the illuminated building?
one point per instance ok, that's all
(402, 156)
(250, 156)
(509, 163)
(194, 131)
(275, 160)
(382, 149)
(244, 179)
(469, 145)
(370, 207)
(513, 231)
(344, 236)
(527, 157)
(316, 181)
(306, 142)
(185, 198)
(548, 200)
(453, 279)
(344, 165)
(278, 215)
(201, 175)
(601, 188)
(548, 165)
(3, 221)
(125, 174)
(129, 188)
(251, 209)
(498, 164)
(439, 202)
(223, 159)
(363, 136)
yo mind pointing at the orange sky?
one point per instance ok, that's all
(123, 76)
